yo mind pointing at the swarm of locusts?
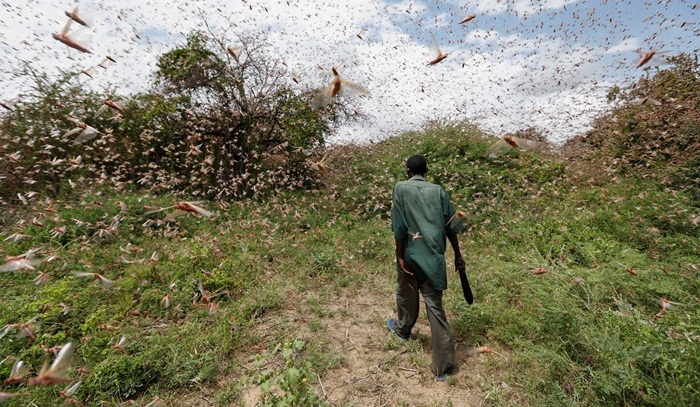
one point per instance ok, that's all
(83, 144)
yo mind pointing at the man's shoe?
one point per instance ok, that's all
(442, 377)
(391, 324)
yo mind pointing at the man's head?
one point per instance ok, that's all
(416, 165)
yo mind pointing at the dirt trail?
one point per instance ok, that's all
(380, 370)
(377, 368)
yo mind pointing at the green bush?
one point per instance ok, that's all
(123, 376)
(290, 385)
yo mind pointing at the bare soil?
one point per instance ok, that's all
(377, 368)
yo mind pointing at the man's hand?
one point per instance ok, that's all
(403, 266)
(459, 264)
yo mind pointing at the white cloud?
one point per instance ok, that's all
(508, 77)
(491, 7)
(521, 8)
(626, 45)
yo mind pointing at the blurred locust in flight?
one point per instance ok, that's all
(77, 42)
(338, 85)
(181, 208)
(58, 371)
(106, 283)
(647, 56)
(468, 18)
(73, 15)
(508, 142)
(18, 373)
(441, 55)
(319, 166)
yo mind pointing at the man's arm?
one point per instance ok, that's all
(449, 211)
(400, 228)
(459, 262)
(399, 258)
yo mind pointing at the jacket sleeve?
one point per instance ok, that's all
(448, 210)
(398, 220)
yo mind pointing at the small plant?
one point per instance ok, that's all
(290, 384)
(325, 263)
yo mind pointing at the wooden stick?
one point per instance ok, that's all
(347, 335)
(322, 388)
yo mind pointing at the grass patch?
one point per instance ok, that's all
(588, 331)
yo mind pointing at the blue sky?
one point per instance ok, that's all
(519, 63)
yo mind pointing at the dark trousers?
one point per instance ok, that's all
(407, 303)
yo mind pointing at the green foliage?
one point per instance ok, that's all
(299, 121)
(191, 67)
(579, 332)
(123, 376)
(324, 263)
(589, 331)
(290, 385)
(215, 124)
(36, 152)
(656, 124)
(688, 178)
(236, 129)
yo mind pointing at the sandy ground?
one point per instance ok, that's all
(378, 369)
(383, 371)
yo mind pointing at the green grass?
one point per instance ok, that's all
(584, 333)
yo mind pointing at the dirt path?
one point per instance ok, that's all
(380, 370)
(377, 368)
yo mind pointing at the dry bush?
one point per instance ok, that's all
(656, 126)
(216, 124)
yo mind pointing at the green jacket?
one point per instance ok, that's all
(419, 215)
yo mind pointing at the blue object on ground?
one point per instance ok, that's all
(391, 324)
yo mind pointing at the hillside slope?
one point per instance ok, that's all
(584, 269)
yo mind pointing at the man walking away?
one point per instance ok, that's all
(419, 219)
